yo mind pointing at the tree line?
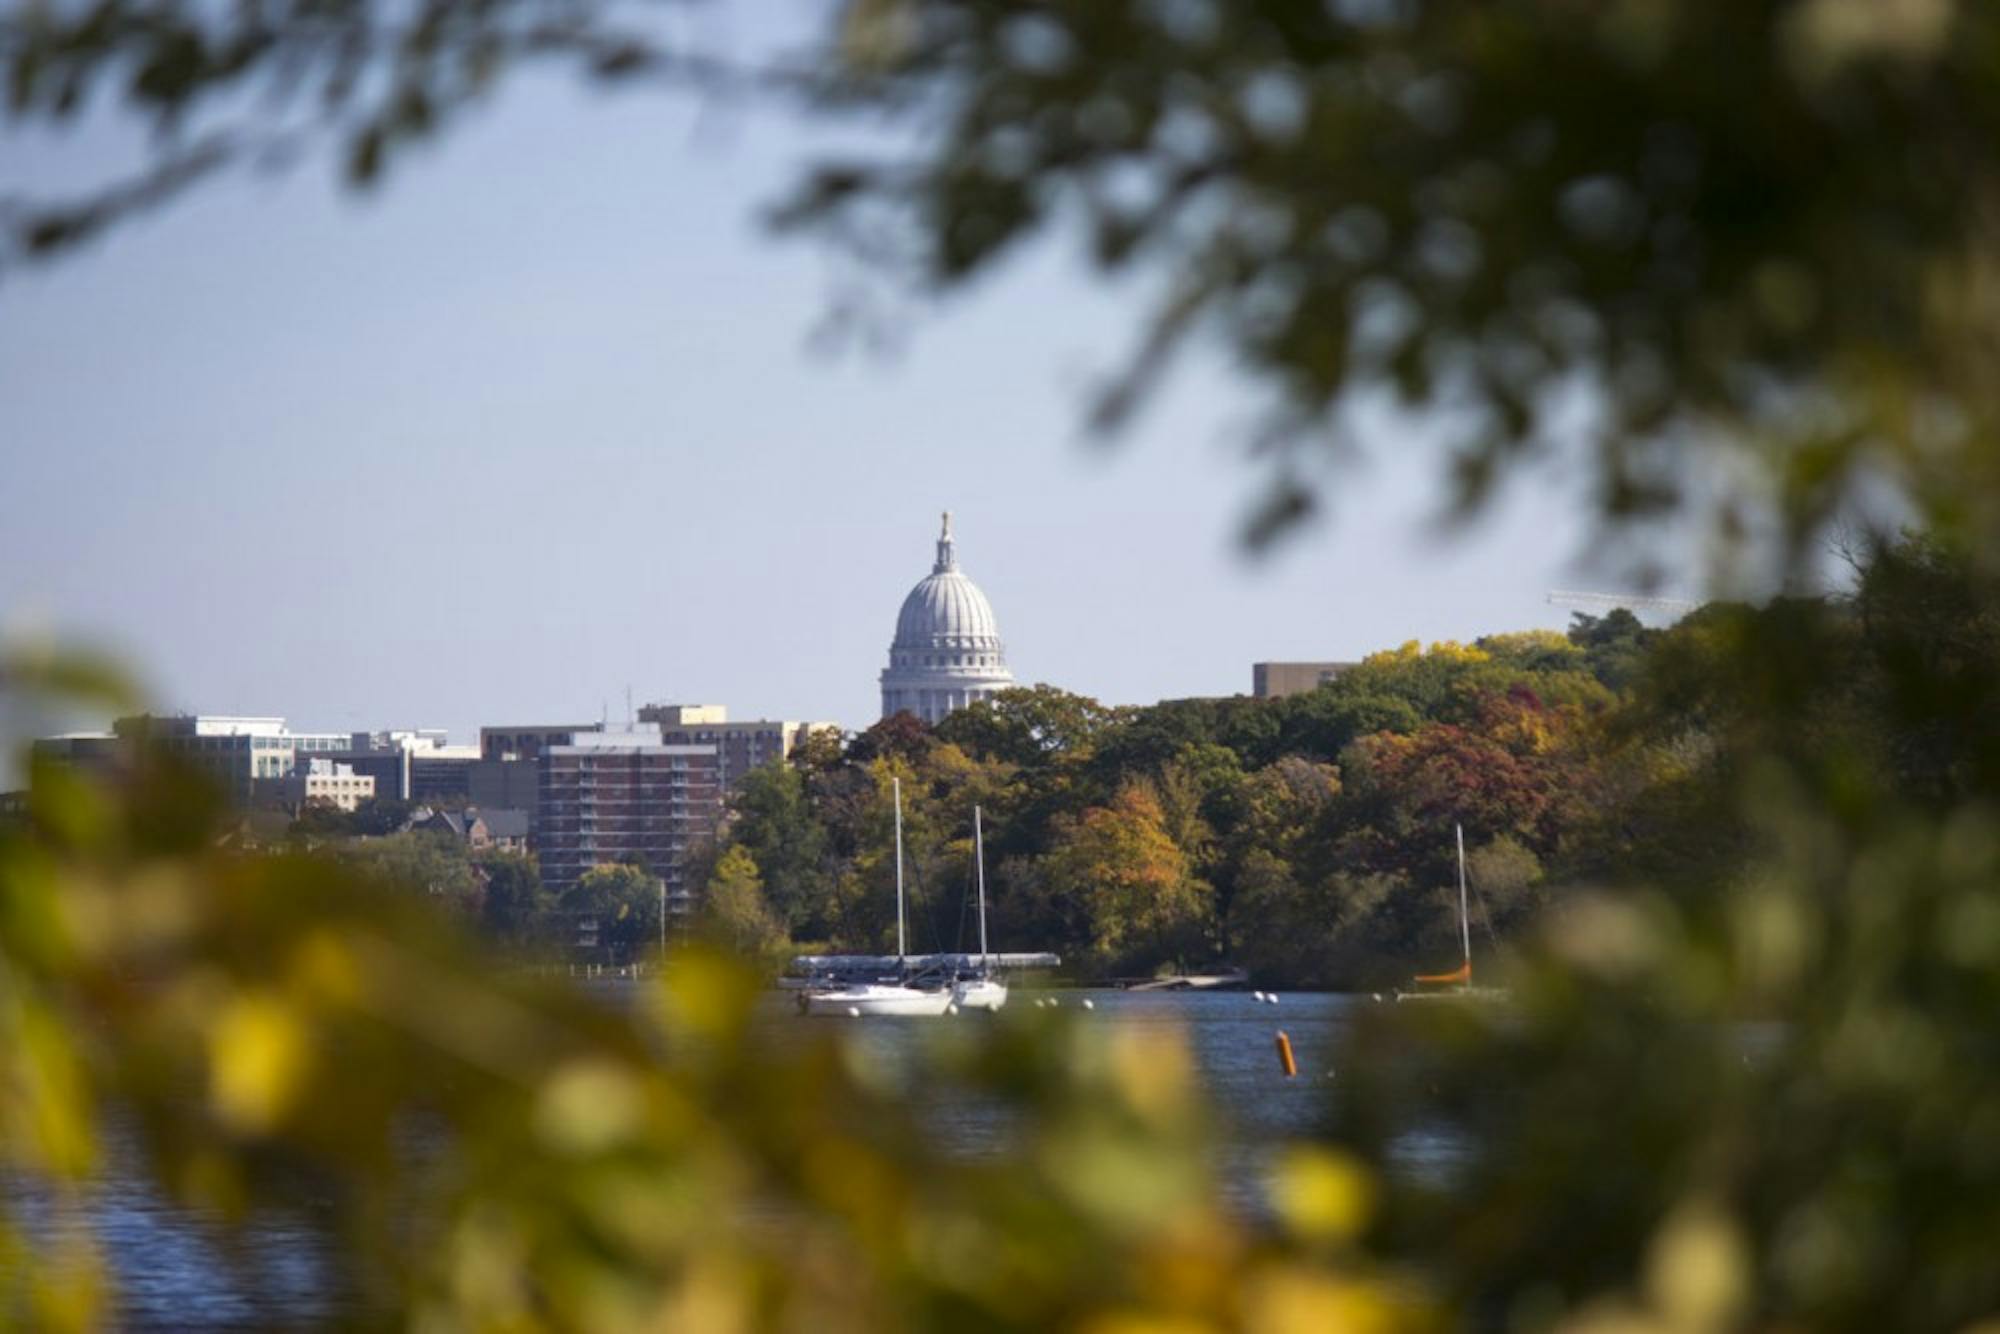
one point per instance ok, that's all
(1310, 838)
(1307, 838)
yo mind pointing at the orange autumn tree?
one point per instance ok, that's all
(1514, 770)
(1128, 884)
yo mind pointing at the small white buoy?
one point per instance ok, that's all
(1087, 1004)
(1272, 997)
(1053, 1002)
(951, 1009)
(854, 1011)
(1378, 997)
(1040, 1003)
(1257, 996)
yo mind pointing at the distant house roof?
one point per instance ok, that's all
(502, 822)
(423, 817)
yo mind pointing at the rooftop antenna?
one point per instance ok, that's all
(628, 706)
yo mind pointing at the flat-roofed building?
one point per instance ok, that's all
(740, 746)
(325, 782)
(1275, 680)
(508, 771)
(442, 773)
(502, 784)
(609, 797)
(237, 752)
(526, 741)
(386, 756)
(100, 753)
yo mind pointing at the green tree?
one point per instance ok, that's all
(1324, 722)
(436, 865)
(1028, 725)
(1340, 930)
(774, 822)
(516, 908)
(903, 736)
(1276, 845)
(733, 911)
(379, 816)
(1614, 645)
(320, 819)
(1508, 885)
(819, 750)
(623, 902)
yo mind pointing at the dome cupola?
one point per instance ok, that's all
(947, 651)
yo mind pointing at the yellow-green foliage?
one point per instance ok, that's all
(268, 1019)
(1765, 1101)
(733, 910)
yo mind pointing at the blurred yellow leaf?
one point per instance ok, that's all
(706, 995)
(49, 1111)
(259, 1057)
(1296, 1300)
(1698, 1268)
(589, 1106)
(1145, 1322)
(324, 967)
(69, 1286)
(1153, 1070)
(1321, 1194)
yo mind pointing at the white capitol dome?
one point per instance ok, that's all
(947, 652)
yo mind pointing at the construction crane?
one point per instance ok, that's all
(1605, 602)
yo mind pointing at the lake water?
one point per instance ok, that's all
(171, 1273)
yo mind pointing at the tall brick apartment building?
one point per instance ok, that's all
(622, 796)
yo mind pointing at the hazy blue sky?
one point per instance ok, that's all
(540, 421)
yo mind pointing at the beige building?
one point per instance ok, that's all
(1275, 680)
(328, 783)
(740, 746)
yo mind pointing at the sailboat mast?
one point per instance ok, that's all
(1464, 911)
(979, 860)
(901, 946)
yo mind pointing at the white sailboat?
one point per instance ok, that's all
(895, 997)
(983, 990)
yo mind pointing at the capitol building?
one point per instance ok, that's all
(947, 653)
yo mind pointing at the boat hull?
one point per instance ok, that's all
(849, 1002)
(1470, 994)
(983, 993)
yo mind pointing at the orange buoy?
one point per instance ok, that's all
(1285, 1058)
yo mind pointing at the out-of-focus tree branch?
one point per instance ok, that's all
(1758, 230)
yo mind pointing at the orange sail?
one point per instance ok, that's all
(1462, 973)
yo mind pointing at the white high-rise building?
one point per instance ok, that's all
(947, 652)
